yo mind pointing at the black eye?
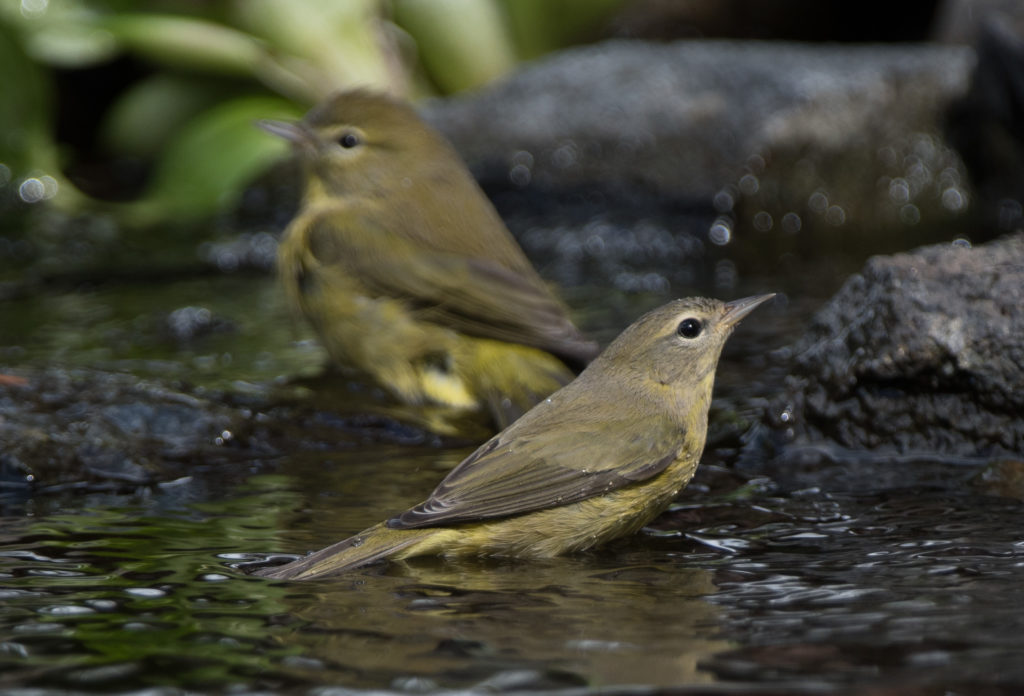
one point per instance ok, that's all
(690, 328)
(348, 140)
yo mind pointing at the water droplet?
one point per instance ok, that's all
(953, 199)
(910, 214)
(523, 157)
(835, 215)
(31, 190)
(763, 221)
(565, 156)
(899, 190)
(818, 202)
(791, 223)
(520, 175)
(721, 231)
(724, 201)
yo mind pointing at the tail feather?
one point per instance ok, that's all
(374, 544)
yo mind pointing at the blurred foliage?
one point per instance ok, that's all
(192, 77)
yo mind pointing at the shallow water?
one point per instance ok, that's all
(837, 577)
(739, 584)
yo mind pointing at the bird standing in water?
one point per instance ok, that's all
(596, 460)
(406, 271)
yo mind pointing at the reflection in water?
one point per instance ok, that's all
(588, 617)
(111, 599)
(913, 578)
(576, 620)
(907, 585)
(107, 599)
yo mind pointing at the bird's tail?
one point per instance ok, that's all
(374, 544)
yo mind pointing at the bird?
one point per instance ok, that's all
(406, 271)
(596, 460)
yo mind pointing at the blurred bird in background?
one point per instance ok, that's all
(406, 271)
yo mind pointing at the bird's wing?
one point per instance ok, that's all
(477, 296)
(563, 463)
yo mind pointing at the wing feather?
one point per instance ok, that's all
(477, 296)
(563, 463)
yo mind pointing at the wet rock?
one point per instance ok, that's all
(91, 429)
(776, 136)
(921, 353)
(87, 430)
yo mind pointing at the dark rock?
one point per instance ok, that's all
(920, 353)
(793, 20)
(88, 430)
(91, 429)
(987, 124)
(961, 21)
(834, 136)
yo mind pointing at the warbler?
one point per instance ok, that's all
(406, 271)
(596, 460)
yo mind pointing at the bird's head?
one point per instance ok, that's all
(673, 350)
(360, 140)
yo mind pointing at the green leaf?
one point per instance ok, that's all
(323, 45)
(145, 117)
(462, 43)
(211, 160)
(541, 26)
(183, 42)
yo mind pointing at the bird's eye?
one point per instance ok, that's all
(690, 328)
(348, 140)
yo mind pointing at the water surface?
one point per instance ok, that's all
(836, 577)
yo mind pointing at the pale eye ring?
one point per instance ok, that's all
(690, 328)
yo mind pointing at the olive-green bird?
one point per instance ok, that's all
(406, 271)
(596, 460)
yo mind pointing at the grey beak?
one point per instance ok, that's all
(737, 309)
(292, 131)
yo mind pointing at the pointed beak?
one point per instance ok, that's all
(737, 309)
(294, 132)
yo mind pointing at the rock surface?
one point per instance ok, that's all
(772, 123)
(642, 166)
(920, 353)
(87, 430)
